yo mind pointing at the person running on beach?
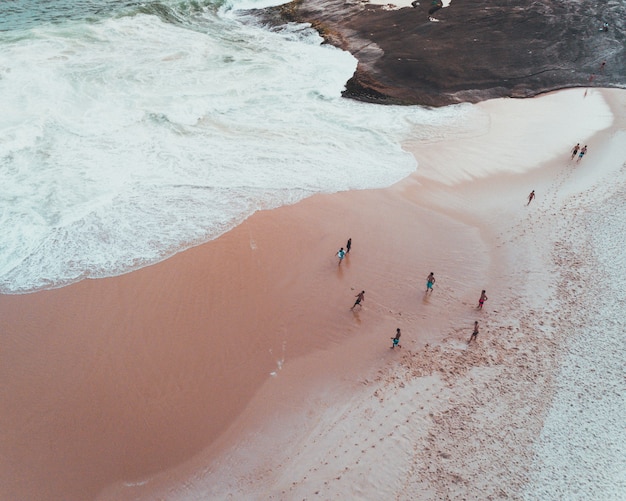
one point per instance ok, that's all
(475, 333)
(583, 150)
(396, 340)
(348, 245)
(481, 301)
(359, 297)
(575, 150)
(530, 197)
(430, 280)
(341, 254)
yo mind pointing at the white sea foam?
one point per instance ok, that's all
(124, 141)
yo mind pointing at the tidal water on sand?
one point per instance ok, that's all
(132, 130)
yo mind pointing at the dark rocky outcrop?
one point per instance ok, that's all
(476, 50)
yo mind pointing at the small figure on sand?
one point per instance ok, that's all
(481, 301)
(348, 245)
(530, 197)
(396, 340)
(430, 281)
(359, 297)
(475, 333)
(341, 254)
(582, 152)
(575, 150)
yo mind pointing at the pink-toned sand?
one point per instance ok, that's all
(236, 370)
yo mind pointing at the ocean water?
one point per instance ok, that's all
(132, 130)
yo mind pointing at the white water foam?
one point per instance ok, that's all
(125, 141)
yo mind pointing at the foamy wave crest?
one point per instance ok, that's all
(126, 140)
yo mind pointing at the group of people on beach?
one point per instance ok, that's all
(341, 254)
(430, 282)
(360, 297)
(576, 150)
(580, 151)
(430, 279)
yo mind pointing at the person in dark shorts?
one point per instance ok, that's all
(575, 150)
(475, 333)
(481, 301)
(531, 197)
(348, 245)
(359, 297)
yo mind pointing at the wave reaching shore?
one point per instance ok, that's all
(450, 421)
(172, 391)
(236, 369)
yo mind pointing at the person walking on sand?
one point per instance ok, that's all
(359, 297)
(348, 245)
(530, 197)
(582, 152)
(430, 281)
(396, 340)
(341, 254)
(575, 150)
(481, 301)
(475, 333)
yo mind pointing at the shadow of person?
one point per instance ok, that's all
(340, 271)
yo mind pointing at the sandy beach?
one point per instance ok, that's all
(237, 370)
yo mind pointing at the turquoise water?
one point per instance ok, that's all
(17, 15)
(132, 130)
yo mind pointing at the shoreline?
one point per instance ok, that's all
(179, 355)
(344, 429)
(408, 56)
(449, 462)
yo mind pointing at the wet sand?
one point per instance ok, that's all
(236, 370)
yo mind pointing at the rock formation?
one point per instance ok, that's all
(473, 49)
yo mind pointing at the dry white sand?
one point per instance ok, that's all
(236, 370)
